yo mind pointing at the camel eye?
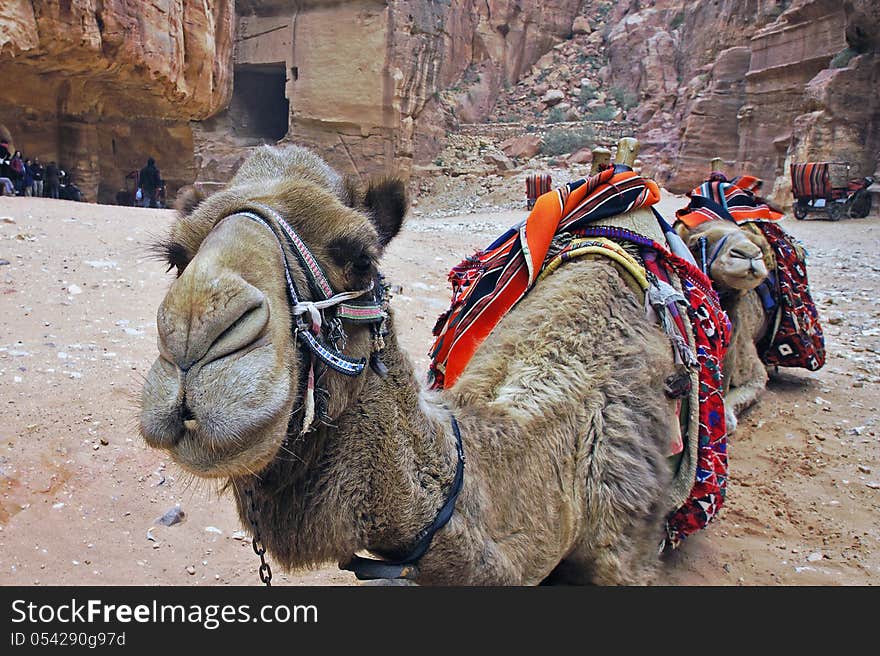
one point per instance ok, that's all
(174, 254)
(355, 256)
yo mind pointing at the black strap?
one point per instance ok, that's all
(366, 569)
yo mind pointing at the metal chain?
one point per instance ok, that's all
(257, 542)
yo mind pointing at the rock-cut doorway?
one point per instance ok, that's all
(259, 106)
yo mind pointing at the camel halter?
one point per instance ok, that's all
(317, 334)
(321, 335)
(407, 567)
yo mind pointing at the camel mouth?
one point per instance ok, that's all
(201, 449)
(740, 273)
(227, 418)
(752, 274)
(197, 452)
(746, 281)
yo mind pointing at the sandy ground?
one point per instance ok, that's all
(79, 490)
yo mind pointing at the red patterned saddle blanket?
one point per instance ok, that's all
(795, 338)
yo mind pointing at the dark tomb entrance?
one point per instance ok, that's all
(259, 107)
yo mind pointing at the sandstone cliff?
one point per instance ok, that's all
(381, 94)
(377, 85)
(758, 83)
(97, 85)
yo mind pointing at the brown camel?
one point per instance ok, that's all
(739, 259)
(564, 421)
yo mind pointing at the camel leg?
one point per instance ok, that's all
(730, 420)
(745, 377)
(634, 559)
(744, 397)
(751, 380)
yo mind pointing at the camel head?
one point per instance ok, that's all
(230, 378)
(737, 258)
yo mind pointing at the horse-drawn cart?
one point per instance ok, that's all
(827, 187)
(537, 184)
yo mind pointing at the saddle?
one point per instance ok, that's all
(609, 215)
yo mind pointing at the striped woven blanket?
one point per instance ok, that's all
(810, 180)
(489, 283)
(537, 185)
(733, 201)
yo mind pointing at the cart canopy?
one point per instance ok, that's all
(810, 180)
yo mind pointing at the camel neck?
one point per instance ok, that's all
(406, 434)
(372, 482)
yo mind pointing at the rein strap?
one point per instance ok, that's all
(310, 332)
(370, 569)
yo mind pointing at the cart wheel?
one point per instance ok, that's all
(836, 211)
(800, 211)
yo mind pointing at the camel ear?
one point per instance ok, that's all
(188, 199)
(351, 191)
(386, 203)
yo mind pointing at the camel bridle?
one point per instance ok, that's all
(320, 335)
(322, 338)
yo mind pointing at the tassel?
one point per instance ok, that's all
(658, 297)
(309, 401)
(377, 365)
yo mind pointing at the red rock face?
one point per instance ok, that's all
(757, 86)
(98, 86)
(375, 85)
(369, 98)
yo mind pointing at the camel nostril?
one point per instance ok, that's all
(189, 420)
(242, 333)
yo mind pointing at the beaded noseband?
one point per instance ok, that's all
(319, 332)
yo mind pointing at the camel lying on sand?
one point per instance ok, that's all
(563, 419)
(738, 260)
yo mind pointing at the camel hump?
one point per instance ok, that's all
(640, 221)
(502, 374)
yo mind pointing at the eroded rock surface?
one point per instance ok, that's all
(100, 85)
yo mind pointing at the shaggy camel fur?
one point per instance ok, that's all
(742, 263)
(565, 424)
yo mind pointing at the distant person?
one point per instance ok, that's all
(5, 159)
(28, 184)
(149, 182)
(53, 180)
(6, 187)
(17, 168)
(69, 190)
(37, 171)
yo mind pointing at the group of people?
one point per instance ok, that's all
(20, 176)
